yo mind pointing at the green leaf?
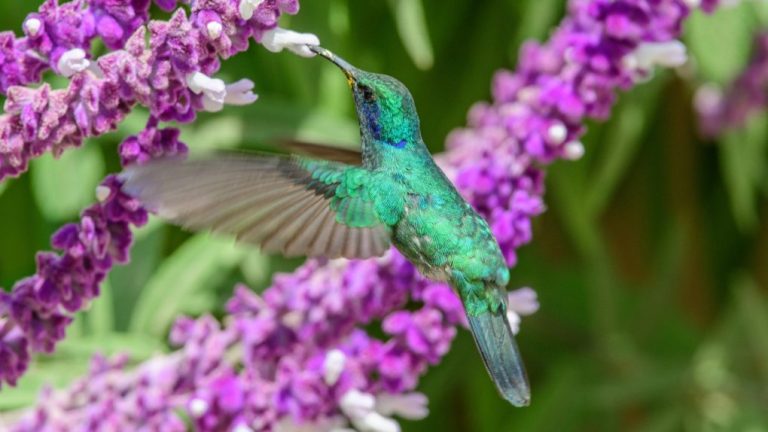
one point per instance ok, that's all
(198, 265)
(54, 374)
(71, 361)
(138, 346)
(256, 268)
(338, 17)
(101, 315)
(720, 43)
(622, 144)
(321, 128)
(220, 132)
(412, 28)
(753, 311)
(127, 281)
(63, 187)
(743, 162)
(3, 185)
(562, 392)
(276, 119)
(540, 16)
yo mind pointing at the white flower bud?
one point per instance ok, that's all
(649, 54)
(523, 301)
(412, 406)
(573, 150)
(356, 404)
(242, 428)
(216, 93)
(32, 26)
(514, 321)
(708, 99)
(375, 422)
(213, 89)
(240, 93)
(333, 366)
(247, 7)
(214, 29)
(557, 133)
(72, 62)
(277, 39)
(198, 407)
(520, 302)
(102, 193)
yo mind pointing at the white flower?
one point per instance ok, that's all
(242, 428)
(375, 422)
(708, 99)
(520, 302)
(216, 93)
(240, 93)
(333, 366)
(557, 133)
(277, 39)
(514, 321)
(412, 406)
(72, 62)
(573, 150)
(32, 26)
(247, 7)
(214, 29)
(287, 424)
(359, 407)
(292, 319)
(355, 403)
(198, 407)
(650, 54)
(102, 193)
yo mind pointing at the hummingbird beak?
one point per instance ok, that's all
(345, 67)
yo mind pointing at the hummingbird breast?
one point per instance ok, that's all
(440, 233)
(434, 227)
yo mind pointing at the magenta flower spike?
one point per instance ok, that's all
(296, 357)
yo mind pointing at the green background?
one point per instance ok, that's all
(650, 262)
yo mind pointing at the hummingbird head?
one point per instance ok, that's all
(384, 105)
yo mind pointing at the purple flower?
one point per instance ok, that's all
(115, 21)
(297, 355)
(171, 75)
(57, 32)
(746, 95)
(39, 308)
(151, 143)
(293, 380)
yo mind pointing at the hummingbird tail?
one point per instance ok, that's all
(498, 349)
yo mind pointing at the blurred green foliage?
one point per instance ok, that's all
(651, 263)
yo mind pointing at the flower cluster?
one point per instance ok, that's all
(169, 74)
(746, 95)
(59, 37)
(301, 357)
(540, 109)
(297, 357)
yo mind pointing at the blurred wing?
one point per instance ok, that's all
(294, 206)
(321, 151)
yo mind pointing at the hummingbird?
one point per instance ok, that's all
(333, 203)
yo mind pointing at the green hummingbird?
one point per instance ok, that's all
(336, 203)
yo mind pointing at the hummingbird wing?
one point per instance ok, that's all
(322, 151)
(291, 205)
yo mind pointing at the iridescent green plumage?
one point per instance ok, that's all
(321, 207)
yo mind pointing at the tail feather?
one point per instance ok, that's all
(498, 349)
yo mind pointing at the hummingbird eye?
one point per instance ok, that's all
(367, 92)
